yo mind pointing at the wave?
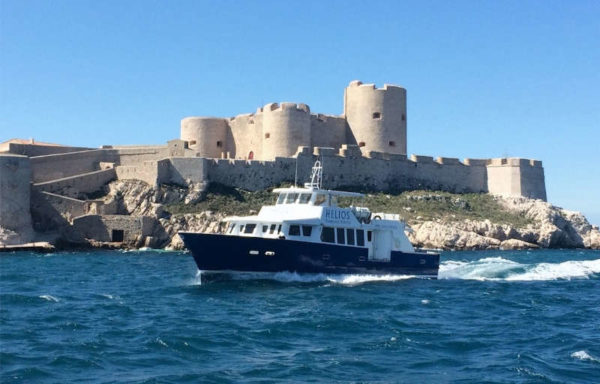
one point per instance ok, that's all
(49, 298)
(498, 268)
(583, 355)
(486, 269)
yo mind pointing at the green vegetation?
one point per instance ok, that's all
(413, 206)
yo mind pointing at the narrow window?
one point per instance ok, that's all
(377, 115)
(249, 228)
(392, 143)
(361, 144)
(327, 235)
(219, 144)
(350, 236)
(291, 198)
(272, 229)
(306, 230)
(403, 117)
(340, 236)
(281, 198)
(360, 237)
(294, 230)
(267, 135)
(265, 227)
(193, 142)
(320, 199)
(369, 236)
(251, 121)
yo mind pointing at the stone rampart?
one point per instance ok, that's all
(51, 167)
(32, 150)
(15, 195)
(75, 186)
(119, 228)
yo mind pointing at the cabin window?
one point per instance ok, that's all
(340, 236)
(350, 236)
(306, 230)
(272, 229)
(327, 235)
(281, 198)
(369, 236)
(231, 227)
(291, 197)
(320, 199)
(249, 228)
(304, 198)
(279, 228)
(377, 115)
(265, 227)
(294, 230)
(360, 237)
(242, 228)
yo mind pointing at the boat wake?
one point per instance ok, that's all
(486, 269)
(498, 268)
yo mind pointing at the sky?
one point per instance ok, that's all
(484, 78)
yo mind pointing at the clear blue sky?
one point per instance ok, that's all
(484, 78)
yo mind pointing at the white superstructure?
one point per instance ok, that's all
(312, 214)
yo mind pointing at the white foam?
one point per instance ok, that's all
(425, 301)
(583, 355)
(568, 270)
(49, 298)
(498, 268)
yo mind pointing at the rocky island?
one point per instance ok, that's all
(141, 196)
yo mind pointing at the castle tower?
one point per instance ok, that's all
(376, 117)
(285, 128)
(205, 135)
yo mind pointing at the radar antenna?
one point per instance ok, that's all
(316, 176)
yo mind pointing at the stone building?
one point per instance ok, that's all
(374, 119)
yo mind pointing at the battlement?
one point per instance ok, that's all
(285, 106)
(372, 86)
(514, 162)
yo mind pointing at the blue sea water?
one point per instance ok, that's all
(148, 317)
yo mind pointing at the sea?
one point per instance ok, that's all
(151, 317)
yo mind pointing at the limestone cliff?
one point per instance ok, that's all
(543, 225)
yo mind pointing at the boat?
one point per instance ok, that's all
(306, 231)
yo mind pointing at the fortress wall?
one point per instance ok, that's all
(327, 131)
(15, 195)
(73, 186)
(51, 167)
(251, 175)
(67, 207)
(183, 171)
(246, 135)
(39, 150)
(136, 155)
(516, 177)
(285, 128)
(377, 116)
(152, 172)
(207, 136)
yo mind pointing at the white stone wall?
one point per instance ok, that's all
(15, 195)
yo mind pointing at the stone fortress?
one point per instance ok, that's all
(48, 186)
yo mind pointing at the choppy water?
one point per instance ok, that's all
(148, 317)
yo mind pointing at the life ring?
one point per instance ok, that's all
(377, 217)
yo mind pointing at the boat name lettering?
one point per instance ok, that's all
(336, 215)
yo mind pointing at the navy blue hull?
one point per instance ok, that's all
(213, 252)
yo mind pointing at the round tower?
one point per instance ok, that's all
(285, 128)
(377, 117)
(205, 135)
